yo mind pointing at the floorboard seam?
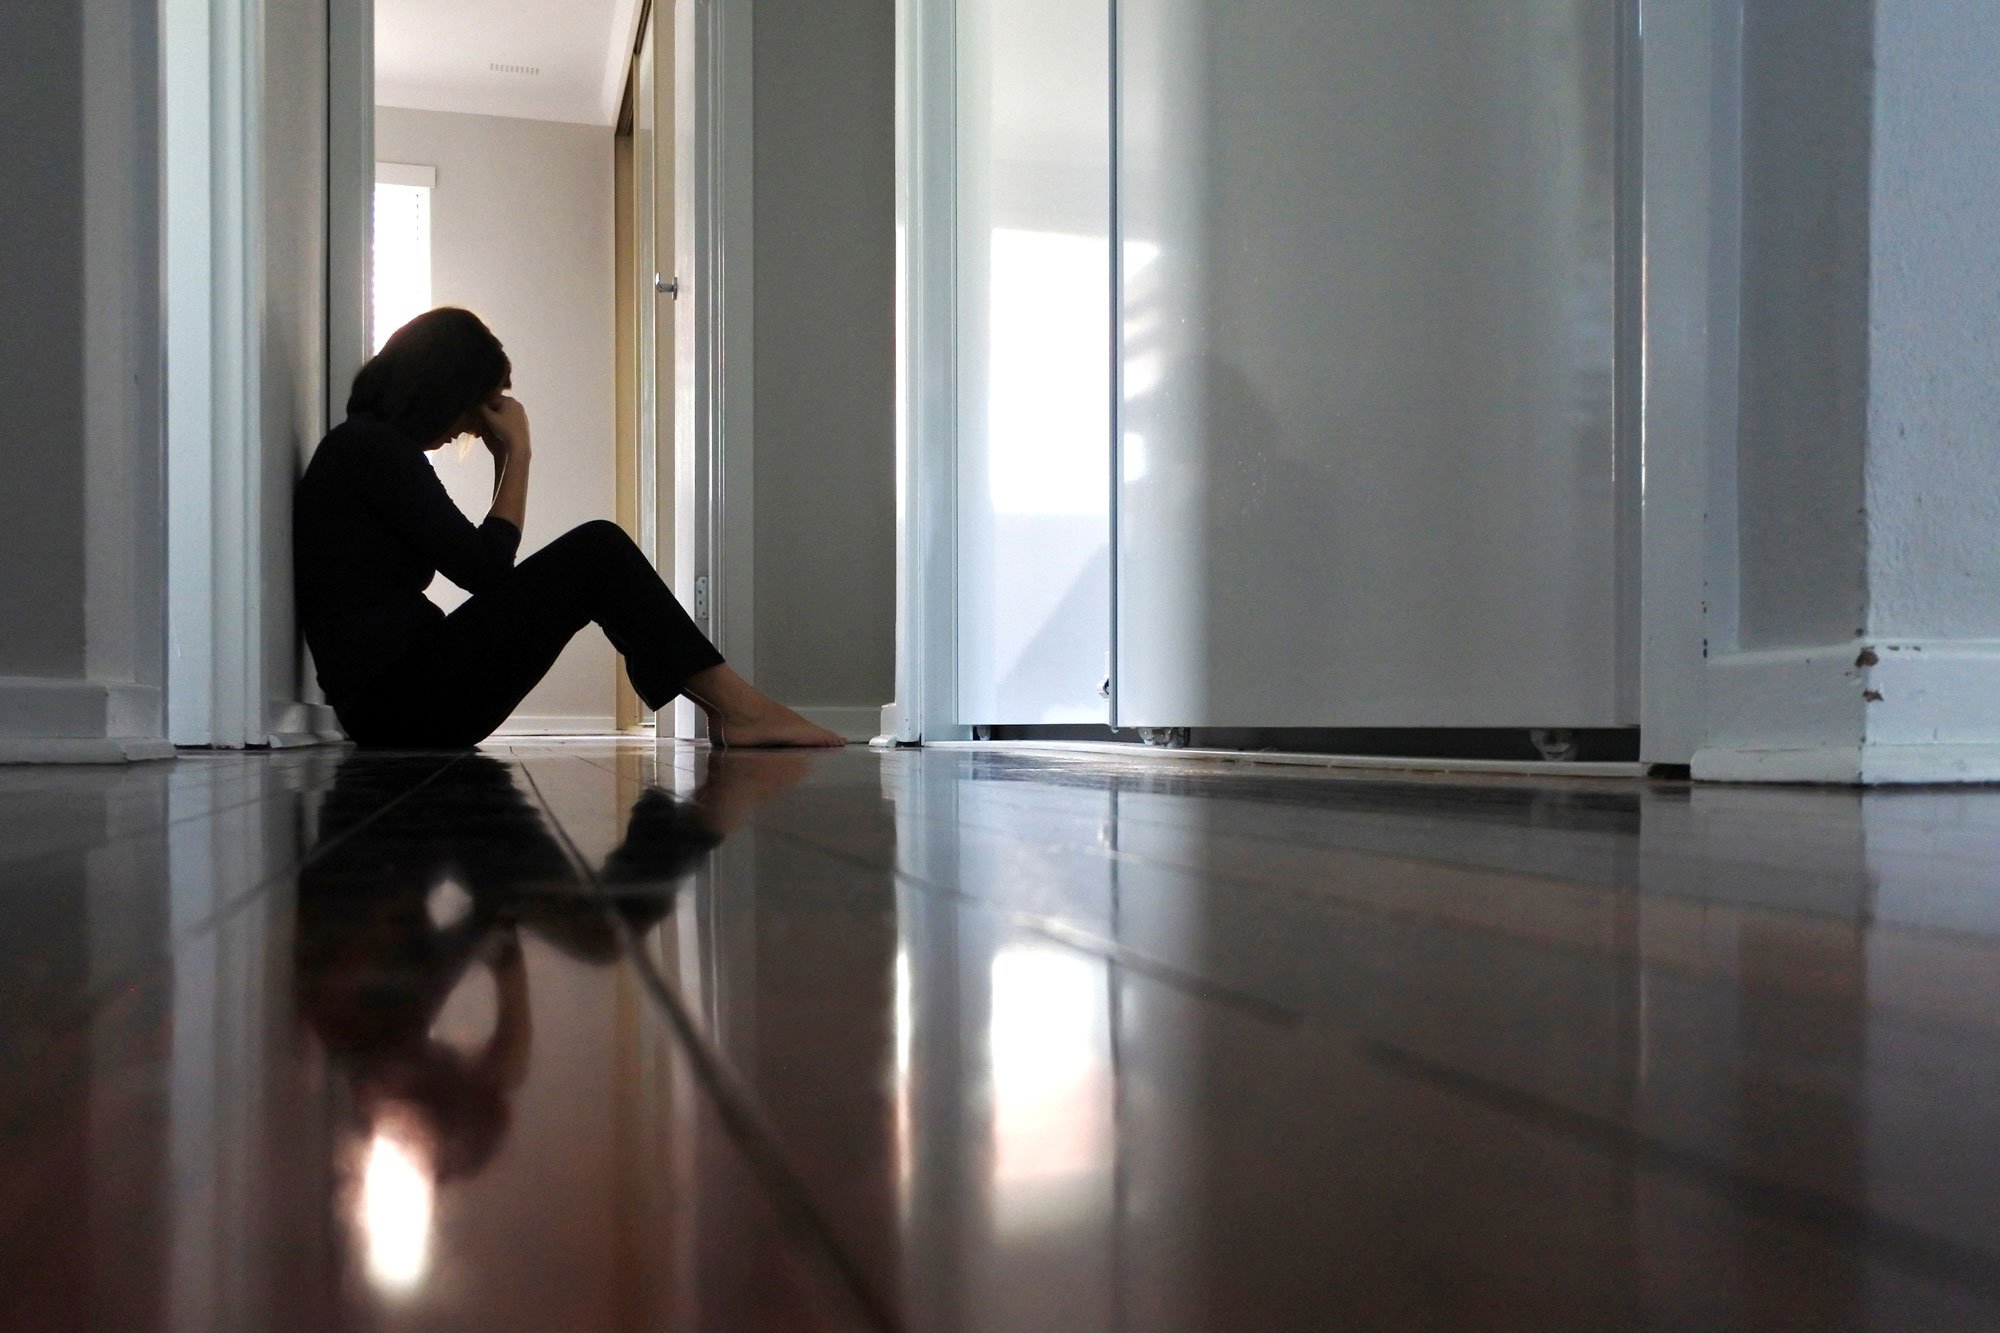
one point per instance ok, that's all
(127, 977)
(1075, 938)
(762, 1149)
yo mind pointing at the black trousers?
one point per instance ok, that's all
(465, 674)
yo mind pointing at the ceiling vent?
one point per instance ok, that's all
(499, 68)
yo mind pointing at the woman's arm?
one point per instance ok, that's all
(505, 433)
(405, 491)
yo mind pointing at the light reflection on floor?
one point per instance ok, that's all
(585, 1035)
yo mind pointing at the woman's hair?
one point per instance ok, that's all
(431, 372)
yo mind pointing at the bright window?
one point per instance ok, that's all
(402, 276)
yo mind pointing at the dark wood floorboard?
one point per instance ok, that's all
(593, 1035)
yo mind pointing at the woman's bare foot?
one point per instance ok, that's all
(742, 717)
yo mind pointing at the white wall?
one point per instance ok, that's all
(292, 328)
(521, 234)
(825, 366)
(1934, 414)
(1804, 373)
(41, 340)
(82, 612)
(1868, 573)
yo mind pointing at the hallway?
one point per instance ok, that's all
(581, 1035)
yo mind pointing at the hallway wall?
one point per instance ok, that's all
(825, 368)
(41, 286)
(293, 323)
(1933, 478)
(521, 234)
(82, 534)
(1804, 372)
(1867, 486)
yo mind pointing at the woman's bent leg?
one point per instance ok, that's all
(623, 593)
(462, 678)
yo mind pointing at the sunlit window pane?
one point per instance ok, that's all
(402, 278)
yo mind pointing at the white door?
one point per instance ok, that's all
(1034, 296)
(1368, 459)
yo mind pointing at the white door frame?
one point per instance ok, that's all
(714, 344)
(220, 691)
(926, 376)
(1692, 149)
(1686, 142)
(213, 235)
(350, 195)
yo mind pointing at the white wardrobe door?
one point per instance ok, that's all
(1367, 461)
(1035, 349)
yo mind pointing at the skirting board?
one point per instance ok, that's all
(58, 721)
(1368, 762)
(1862, 713)
(1854, 765)
(524, 724)
(302, 724)
(40, 708)
(121, 750)
(854, 724)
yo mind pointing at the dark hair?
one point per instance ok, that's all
(431, 372)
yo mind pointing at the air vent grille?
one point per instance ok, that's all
(499, 68)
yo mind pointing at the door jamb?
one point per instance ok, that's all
(927, 377)
(714, 342)
(213, 232)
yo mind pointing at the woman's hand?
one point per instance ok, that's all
(503, 427)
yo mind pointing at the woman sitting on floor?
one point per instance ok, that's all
(373, 525)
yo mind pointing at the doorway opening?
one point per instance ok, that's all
(507, 176)
(497, 164)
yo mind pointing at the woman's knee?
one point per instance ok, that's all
(599, 539)
(599, 532)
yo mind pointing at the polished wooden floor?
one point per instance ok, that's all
(585, 1036)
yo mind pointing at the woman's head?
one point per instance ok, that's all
(432, 371)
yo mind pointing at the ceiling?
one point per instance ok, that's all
(439, 55)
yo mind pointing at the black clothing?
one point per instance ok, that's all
(462, 676)
(373, 524)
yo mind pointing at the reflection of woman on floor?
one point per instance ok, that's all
(380, 949)
(373, 525)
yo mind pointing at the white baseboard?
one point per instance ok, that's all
(1863, 713)
(1787, 699)
(1828, 765)
(88, 750)
(40, 708)
(1300, 759)
(56, 721)
(528, 724)
(861, 724)
(1854, 766)
(302, 724)
(1935, 692)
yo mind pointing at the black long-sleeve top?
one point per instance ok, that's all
(371, 526)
